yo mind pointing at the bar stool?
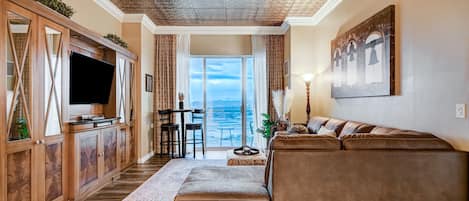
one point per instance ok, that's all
(195, 125)
(168, 127)
(222, 134)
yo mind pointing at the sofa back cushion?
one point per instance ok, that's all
(400, 141)
(304, 142)
(335, 124)
(355, 127)
(315, 124)
(382, 130)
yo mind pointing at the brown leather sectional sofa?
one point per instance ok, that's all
(362, 163)
(365, 163)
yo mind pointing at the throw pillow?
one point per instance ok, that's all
(300, 129)
(324, 131)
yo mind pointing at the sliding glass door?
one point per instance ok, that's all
(223, 86)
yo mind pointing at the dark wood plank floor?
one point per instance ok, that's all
(129, 180)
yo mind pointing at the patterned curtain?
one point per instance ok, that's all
(274, 59)
(165, 80)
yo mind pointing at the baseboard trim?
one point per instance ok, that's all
(145, 157)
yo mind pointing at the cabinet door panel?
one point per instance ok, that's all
(54, 171)
(88, 158)
(19, 184)
(110, 149)
(123, 147)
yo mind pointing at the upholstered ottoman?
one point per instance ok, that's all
(224, 184)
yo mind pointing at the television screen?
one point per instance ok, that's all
(90, 80)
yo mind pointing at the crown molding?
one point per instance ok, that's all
(327, 8)
(220, 30)
(117, 13)
(111, 8)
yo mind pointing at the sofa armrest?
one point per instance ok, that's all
(283, 133)
(304, 142)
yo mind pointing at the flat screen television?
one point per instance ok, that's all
(90, 80)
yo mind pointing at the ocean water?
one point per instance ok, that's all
(224, 128)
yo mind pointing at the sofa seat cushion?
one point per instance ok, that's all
(315, 124)
(401, 141)
(335, 124)
(304, 142)
(224, 184)
(356, 127)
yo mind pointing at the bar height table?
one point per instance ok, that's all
(183, 128)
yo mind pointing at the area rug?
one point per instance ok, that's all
(164, 184)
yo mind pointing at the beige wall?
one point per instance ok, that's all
(301, 62)
(221, 45)
(93, 17)
(433, 55)
(147, 67)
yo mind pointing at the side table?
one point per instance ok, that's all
(239, 160)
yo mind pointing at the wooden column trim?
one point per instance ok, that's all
(3, 180)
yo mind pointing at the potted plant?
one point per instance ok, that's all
(59, 6)
(117, 40)
(267, 124)
(22, 128)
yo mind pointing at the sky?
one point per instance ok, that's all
(223, 79)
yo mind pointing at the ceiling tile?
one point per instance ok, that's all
(221, 12)
(206, 4)
(211, 14)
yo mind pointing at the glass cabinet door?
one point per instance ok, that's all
(18, 131)
(52, 81)
(18, 77)
(52, 44)
(121, 69)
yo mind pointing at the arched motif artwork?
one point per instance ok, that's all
(352, 62)
(362, 59)
(374, 49)
(337, 66)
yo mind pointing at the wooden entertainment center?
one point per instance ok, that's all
(47, 153)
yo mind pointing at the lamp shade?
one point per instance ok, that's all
(308, 77)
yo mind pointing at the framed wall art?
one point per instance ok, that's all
(363, 58)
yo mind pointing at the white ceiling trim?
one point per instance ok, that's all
(112, 9)
(327, 8)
